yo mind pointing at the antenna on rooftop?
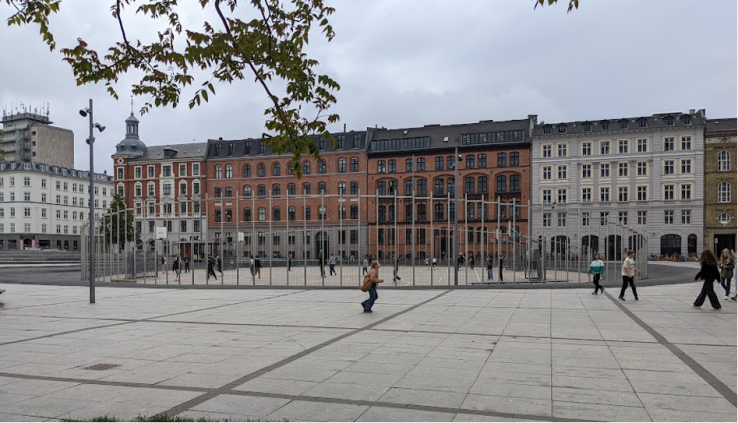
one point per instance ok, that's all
(131, 103)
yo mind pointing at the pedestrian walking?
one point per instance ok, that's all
(321, 264)
(257, 267)
(365, 265)
(490, 268)
(596, 269)
(187, 264)
(709, 273)
(427, 263)
(627, 271)
(471, 262)
(726, 264)
(459, 261)
(252, 265)
(164, 262)
(735, 283)
(395, 276)
(177, 265)
(373, 278)
(500, 263)
(219, 264)
(289, 262)
(435, 263)
(211, 267)
(332, 264)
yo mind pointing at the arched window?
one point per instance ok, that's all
(354, 164)
(623, 123)
(321, 188)
(605, 124)
(392, 187)
(687, 120)
(422, 187)
(139, 190)
(261, 191)
(723, 160)
(450, 186)
(469, 185)
(692, 244)
(218, 172)
(514, 183)
(408, 187)
(195, 187)
(276, 190)
(381, 188)
(306, 188)
(183, 188)
(150, 189)
(669, 122)
(261, 170)
(276, 169)
(291, 213)
(342, 165)
(247, 191)
(438, 186)
(342, 188)
(229, 192)
(321, 167)
(120, 189)
(246, 171)
(724, 192)
(671, 244)
(482, 184)
(291, 189)
(262, 214)
(354, 188)
(229, 172)
(643, 123)
(290, 170)
(501, 183)
(562, 128)
(306, 167)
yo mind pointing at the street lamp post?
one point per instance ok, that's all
(456, 216)
(91, 140)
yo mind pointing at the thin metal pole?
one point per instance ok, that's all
(456, 212)
(220, 239)
(323, 236)
(304, 238)
(254, 237)
(432, 237)
(289, 257)
(483, 241)
(413, 235)
(92, 208)
(396, 238)
(513, 233)
(358, 235)
(580, 256)
(498, 235)
(271, 237)
(238, 241)
(466, 239)
(376, 207)
(341, 237)
(448, 238)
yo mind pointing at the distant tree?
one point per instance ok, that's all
(118, 224)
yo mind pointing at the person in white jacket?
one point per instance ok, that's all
(597, 268)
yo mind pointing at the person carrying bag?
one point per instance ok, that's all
(371, 279)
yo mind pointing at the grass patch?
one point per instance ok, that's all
(161, 418)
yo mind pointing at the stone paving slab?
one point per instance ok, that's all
(471, 355)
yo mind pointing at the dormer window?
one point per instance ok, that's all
(217, 149)
(643, 123)
(562, 128)
(605, 125)
(669, 120)
(547, 129)
(623, 123)
(686, 120)
(586, 127)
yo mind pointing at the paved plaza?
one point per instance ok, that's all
(423, 355)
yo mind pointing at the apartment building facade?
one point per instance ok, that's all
(163, 186)
(720, 184)
(412, 179)
(30, 137)
(253, 191)
(604, 186)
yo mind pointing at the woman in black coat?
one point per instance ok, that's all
(710, 273)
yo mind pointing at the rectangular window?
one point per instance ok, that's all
(562, 150)
(546, 151)
(641, 217)
(623, 217)
(562, 196)
(642, 168)
(560, 219)
(669, 217)
(546, 220)
(642, 145)
(686, 192)
(623, 146)
(604, 217)
(546, 173)
(686, 143)
(166, 171)
(604, 147)
(642, 192)
(668, 167)
(586, 149)
(586, 195)
(562, 172)
(137, 172)
(686, 217)
(669, 144)
(686, 166)
(622, 170)
(439, 163)
(151, 172)
(421, 164)
(587, 171)
(546, 196)
(585, 219)
(501, 159)
(182, 169)
(604, 194)
(604, 170)
(622, 194)
(470, 161)
(668, 192)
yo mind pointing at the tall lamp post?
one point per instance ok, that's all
(91, 140)
(455, 257)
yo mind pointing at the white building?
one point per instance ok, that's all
(601, 185)
(44, 206)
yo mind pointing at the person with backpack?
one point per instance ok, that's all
(726, 264)
(709, 273)
(627, 271)
(596, 269)
(371, 279)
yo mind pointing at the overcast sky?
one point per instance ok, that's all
(410, 63)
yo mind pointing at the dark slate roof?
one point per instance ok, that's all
(655, 121)
(183, 151)
(52, 170)
(250, 147)
(449, 136)
(721, 125)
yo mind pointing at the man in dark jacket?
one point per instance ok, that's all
(211, 267)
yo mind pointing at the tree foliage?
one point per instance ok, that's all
(118, 224)
(269, 47)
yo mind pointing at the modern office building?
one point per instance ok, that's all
(412, 180)
(720, 184)
(30, 137)
(163, 187)
(611, 184)
(46, 207)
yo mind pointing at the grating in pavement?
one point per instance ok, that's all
(101, 366)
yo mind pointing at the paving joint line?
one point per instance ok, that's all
(697, 368)
(227, 388)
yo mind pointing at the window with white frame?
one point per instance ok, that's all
(26, 181)
(668, 192)
(604, 194)
(562, 196)
(195, 169)
(151, 189)
(562, 172)
(622, 170)
(686, 191)
(668, 217)
(642, 169)
(723, 161)
(546, 173)
(604, 217)
(604, 170)
(137, 172)
(218, 172)
(623, 217)
(686, 217)
(586, 195)
(546, 220)
(560, 219)
(641, 217)
(43, 197)
(546, 150)
(668, 167)
(182, 169)
(150, 172)
(604, 147)
(562, 150)
(623, 146)
(586, 171)
(586, 148)
(642, 192)
(686, 143)
(546, 196)
(669, 144)
(686, 166)
(622, 194)
(724, 192)
(166, 171)
(642, 145)
(585, 219)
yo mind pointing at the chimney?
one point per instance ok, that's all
(344, 127)
(691, 111)
(532, 121)
(220, 138)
